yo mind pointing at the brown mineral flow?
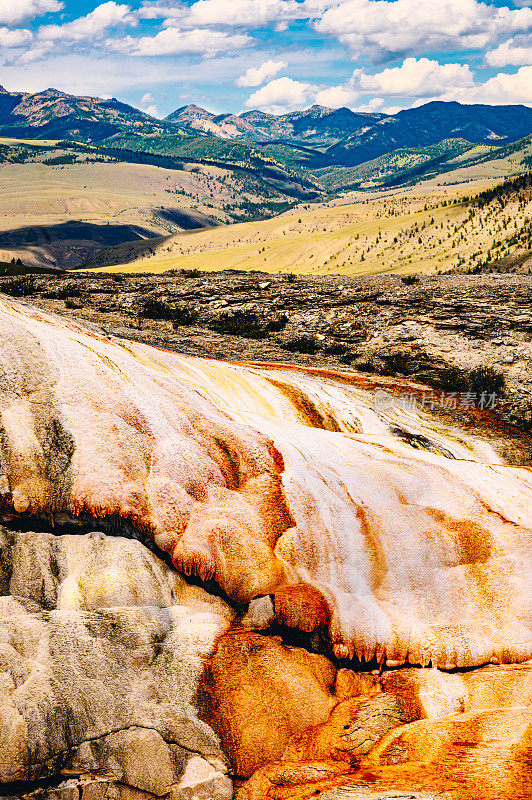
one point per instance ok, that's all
(258, 693)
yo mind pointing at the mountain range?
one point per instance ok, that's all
(350, 138)
(333, 136)
(53, 114)
(317, 126)
(302, 154)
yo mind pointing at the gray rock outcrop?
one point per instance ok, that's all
(101, 650)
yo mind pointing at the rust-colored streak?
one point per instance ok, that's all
(309, 412)
(473, 543)
(370, 532)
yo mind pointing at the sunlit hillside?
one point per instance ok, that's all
(415, 232)
(48, 185)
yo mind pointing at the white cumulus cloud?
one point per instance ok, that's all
(385, 27)
(14, 11)
(251, 13)
(514, 52)
(148, 104)
(255, 76)
(173, 41)
(376, 104)
(282, 95)
(153, 9)
(502, 89)
(35, 53)
(236, 13)
(104, 16)
(414, 78)
(421, 77)
(14, 38)
(338, 96)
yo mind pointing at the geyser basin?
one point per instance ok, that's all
(404, 539)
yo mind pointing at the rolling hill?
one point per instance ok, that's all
(448, 162)
(109, 176)
(61, 201)
(438, 230)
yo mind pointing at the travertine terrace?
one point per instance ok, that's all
(378, 537)
(223, 466)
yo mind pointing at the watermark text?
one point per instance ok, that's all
(431, 401)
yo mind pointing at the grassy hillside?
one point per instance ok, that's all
(136, 196)
(453, 160)
(394, 168)
(403, 233)
(192, 147)
(47, 184)
(246, 159)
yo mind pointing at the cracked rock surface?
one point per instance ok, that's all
(339, 322)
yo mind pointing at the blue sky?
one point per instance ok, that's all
(276, 55)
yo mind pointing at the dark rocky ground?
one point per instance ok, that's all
(436, 329)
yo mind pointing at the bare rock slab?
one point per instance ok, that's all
(102, 647)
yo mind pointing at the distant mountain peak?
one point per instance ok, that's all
(51, 92)
(192, 110)
(194, 107)
(320, 109)
(256, 114)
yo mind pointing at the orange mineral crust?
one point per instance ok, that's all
(393, 534)
(411, 734)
